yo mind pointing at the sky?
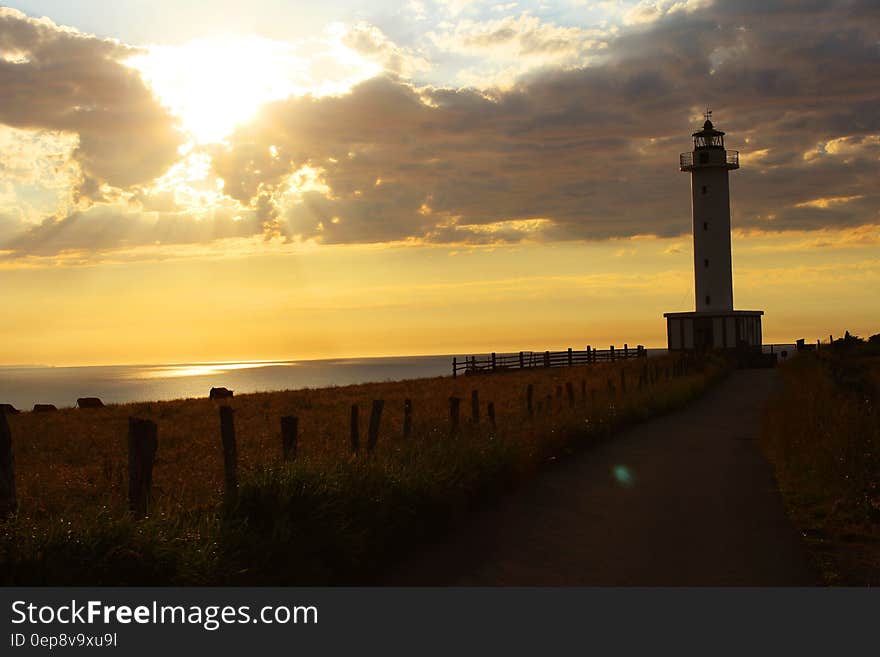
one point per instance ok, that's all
(214, 181)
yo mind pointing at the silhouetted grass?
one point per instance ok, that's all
(328, 517)
(822, 435)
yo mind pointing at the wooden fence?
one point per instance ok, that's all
(143, 435)
(527, 359)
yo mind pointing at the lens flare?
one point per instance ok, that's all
(623, 475)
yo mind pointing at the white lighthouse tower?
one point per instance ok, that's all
(714, 324)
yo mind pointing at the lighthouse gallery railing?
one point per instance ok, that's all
(686, 160)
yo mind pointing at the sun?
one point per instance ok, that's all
(214, 84)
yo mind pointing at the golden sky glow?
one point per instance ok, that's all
(400, 300)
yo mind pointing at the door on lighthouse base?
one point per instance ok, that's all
(703, 337)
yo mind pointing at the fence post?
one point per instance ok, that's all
(142, 445)
(407, 418)
(454, 408)
(373, 428)
(546, 359)
(589, 354)
(8, 498)
(625, 350)
(230, 455)
(475, 406)
(454, 367)
(355, 431)
(493, 361)
(289, 430)
(569, 357)
(490, 409)
(530, 396)
(520, 360)
(569, 388)
(612, 353)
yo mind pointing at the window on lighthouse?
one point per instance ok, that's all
(706, 263)
(704, 190)
(705, 225)
(708, 300)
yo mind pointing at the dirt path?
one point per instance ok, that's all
(686, 499)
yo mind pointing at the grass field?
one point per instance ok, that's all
(822, 434)
(328, 517)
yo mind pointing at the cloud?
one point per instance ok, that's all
(37, 172)
(591, 151)
(852, 149)
(456, 7)
(11, 224)
(510, 46)
(824, 203)
(55, 78)
(574, 149)
(369, 41)
(649, 11)
(107, 227)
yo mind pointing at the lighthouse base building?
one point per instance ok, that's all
(697, 331)
(714, 324)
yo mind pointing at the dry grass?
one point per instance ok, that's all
(72, 475)
(822, 434)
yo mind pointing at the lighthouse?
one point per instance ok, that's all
(714, 324)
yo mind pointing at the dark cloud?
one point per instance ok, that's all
(58, 79)
(10, 225)
(593, 150)
(107, 227)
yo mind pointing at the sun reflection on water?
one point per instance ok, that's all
(202, 369)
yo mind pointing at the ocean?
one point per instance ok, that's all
(24, 386)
